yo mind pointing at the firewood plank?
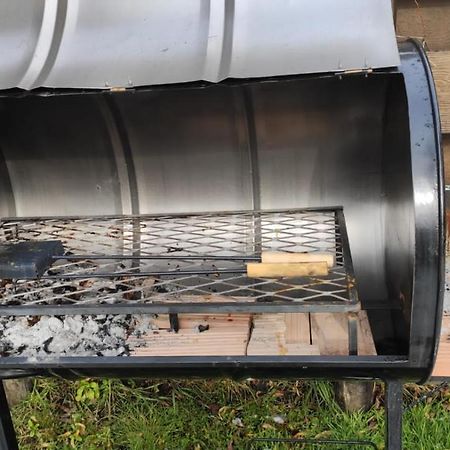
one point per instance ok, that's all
(222, 338)
(297, 328)
(330, 333)
(269, 338)
(442, 365)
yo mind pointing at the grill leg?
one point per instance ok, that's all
(7, 434)
(394, 412)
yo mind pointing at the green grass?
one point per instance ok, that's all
(110, 414)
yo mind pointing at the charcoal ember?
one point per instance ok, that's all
(64, 289)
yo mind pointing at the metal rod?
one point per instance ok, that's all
(189, 308)
(142, 274)
(156, 257)
(315, 442)
(329, 209)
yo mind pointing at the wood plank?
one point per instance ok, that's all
(272, 334)
(269, 338)
(428, 19)
(329, 332)
(440, 65)
(297, 328)
(446, 151)
(220, 339)
(442, 365)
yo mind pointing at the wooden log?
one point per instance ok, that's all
(286, 257)
(354, 396)
(266, 270)
(440, 65)
(17, 390)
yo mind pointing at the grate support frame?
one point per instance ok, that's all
(199, 246)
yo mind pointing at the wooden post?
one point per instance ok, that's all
(16, 390)
(354, 396)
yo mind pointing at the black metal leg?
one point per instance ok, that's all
(8, 439)
(394, 414)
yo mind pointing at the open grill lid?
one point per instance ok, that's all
(112, 43)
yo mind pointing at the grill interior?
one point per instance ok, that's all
(299, 165)
(179, 258)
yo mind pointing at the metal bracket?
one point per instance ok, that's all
(174, 322)
(352, 321)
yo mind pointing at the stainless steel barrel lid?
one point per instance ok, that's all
(111, 43)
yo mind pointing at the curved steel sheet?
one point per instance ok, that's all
(112, 43)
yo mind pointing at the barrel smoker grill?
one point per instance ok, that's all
(153, 202)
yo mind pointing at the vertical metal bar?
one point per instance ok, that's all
(348, 263)
(352, 333)
(394, 414)
(8, 439)
(174, 322)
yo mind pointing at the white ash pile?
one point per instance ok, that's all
(44, 336)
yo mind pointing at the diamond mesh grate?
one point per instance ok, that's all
(182, 241)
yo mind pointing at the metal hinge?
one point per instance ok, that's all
(356, 71)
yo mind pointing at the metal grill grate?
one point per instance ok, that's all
(181, 263)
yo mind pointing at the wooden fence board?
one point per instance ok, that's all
(428, 19)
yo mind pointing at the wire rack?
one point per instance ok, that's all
(180, 263)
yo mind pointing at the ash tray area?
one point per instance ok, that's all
(78, 335)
